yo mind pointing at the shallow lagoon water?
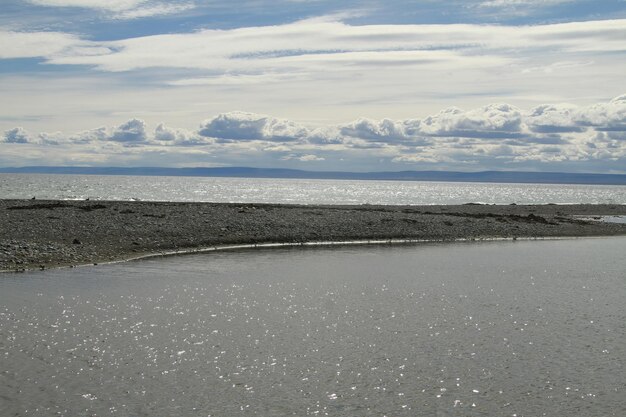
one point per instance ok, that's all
(526, 328)
(605, 219)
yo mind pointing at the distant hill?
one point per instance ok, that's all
(485, 176)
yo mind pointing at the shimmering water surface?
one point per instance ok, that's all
(299, 191)
(466, 329)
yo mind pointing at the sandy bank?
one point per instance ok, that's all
(43, 234)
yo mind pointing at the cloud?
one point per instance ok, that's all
(55, 138)
(178, 137)
(415, 159)
(320, 65)
(328, 135)
(17, 135)
(165, 134)
(497, 136)
(240, 79)
(133, 131)
(303, 158)
(492, 121)
(506, 9)
(524, 3)
(609, 116)
(384, 130)
(378, 133)
(551, 118)
(557, 67)
(121, 9)
(315, 45)
(88, 136)
(236, 126)
(159, 9)
(36, 44)
(111, 5)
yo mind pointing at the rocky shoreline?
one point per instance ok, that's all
(37, 234)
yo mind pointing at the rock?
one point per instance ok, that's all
(77, 242)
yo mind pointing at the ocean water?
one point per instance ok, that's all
(299, 191)
(459, 329)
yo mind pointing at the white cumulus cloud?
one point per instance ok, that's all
(17, 135)
(386, 130)
(132, 131)
(492, 121)
(249, 126)
(178, 137)
(97, 134)
(497, 136)
(605, 116)
(550, 118)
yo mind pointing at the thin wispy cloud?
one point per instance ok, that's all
(158, 9)
(121, 9)
(311, 44)
(112, 5)
(390, 65)
(525, 3)
(39, 44)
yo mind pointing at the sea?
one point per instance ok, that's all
(299, 191)
(492, 328)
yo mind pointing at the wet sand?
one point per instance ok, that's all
(37, 234)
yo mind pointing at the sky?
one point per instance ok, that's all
(472, 85)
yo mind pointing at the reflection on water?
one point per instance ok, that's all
(466, 329)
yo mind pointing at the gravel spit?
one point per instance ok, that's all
(38, 234)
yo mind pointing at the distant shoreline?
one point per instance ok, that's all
(513, 177)
(37, 234)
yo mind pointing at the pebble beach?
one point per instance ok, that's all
(39, 234)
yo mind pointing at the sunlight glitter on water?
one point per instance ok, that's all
(299, 191)
(461, 329)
